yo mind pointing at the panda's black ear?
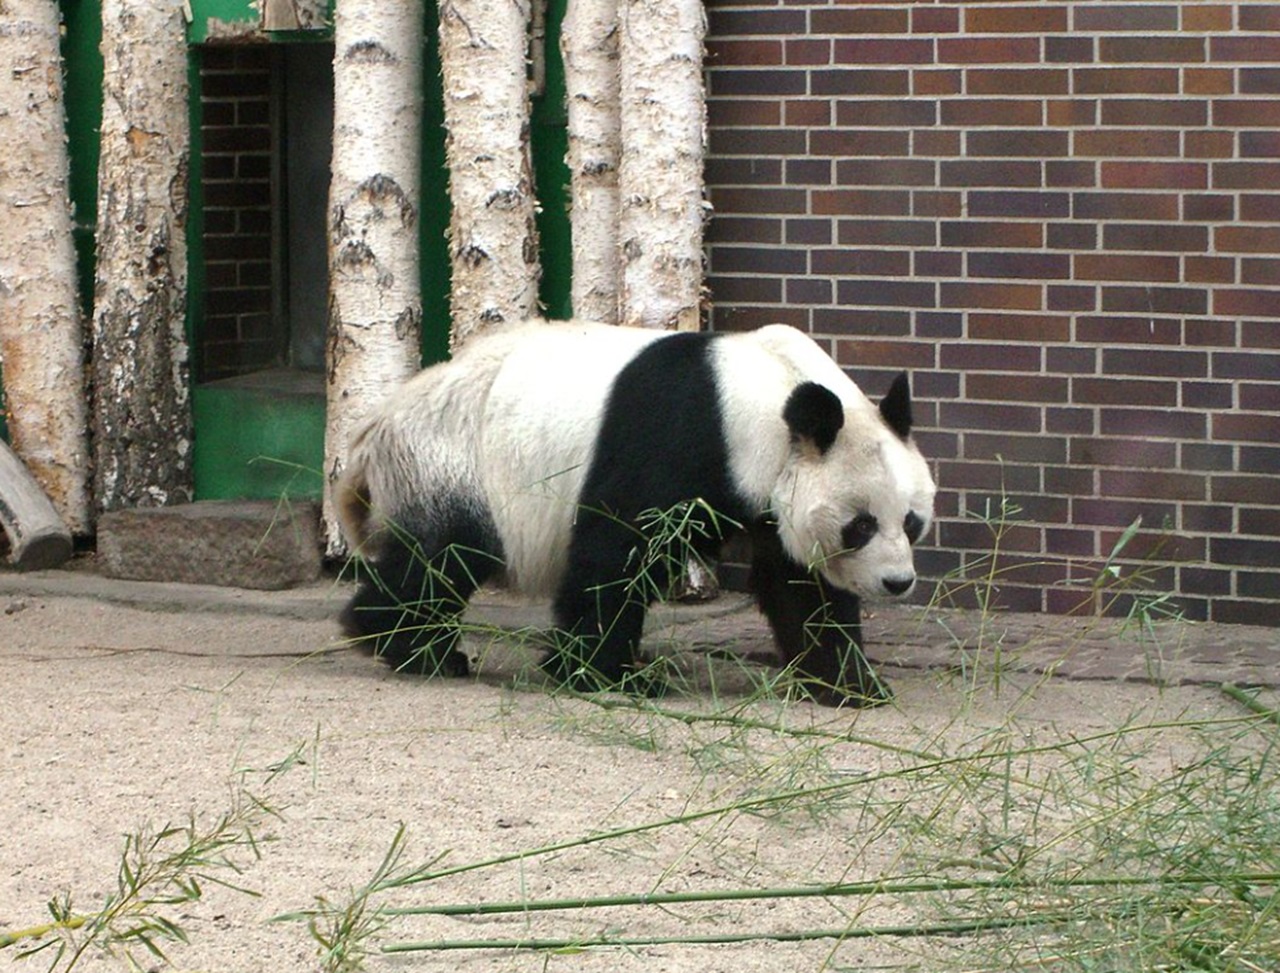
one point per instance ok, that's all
(814, 412)
(896, 406)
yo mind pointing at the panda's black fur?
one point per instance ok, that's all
(428, 482)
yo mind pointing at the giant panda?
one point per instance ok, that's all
(536, 454)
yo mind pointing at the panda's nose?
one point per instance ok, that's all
(899, 586)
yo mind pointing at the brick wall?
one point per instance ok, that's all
(1064, 219)
(240, 333)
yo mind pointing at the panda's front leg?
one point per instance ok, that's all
(599, 611)
(818, 628)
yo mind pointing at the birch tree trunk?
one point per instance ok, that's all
(375, 294)
(142, 410)
(663, 124)
(492, 233)
(41, 330)
(589, 45)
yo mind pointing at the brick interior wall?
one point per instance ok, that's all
(239, 332)
(1064, 219)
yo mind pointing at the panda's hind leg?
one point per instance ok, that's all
(406, 608)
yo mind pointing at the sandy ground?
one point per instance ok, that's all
(117, 720)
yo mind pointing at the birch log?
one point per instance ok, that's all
(41, 330)
(492, 234)
(142, 412)
(375, 291)
(663, 125)
(589, 45)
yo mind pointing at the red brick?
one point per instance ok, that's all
(971, 356)
(1127, 143)
(1125, 206)
(883, 51)
(1181, 113)
(1023, 388)
(1261, 271)
(1023, 297)
(1153, 50)
(886, 172)
(1018, 81)
(1208, 81)
(1116, 267)
(1209, 270)
(897, 113)
(1265, 50)
(1157, 484)
(1039, 328)
(1209, 144)
(1259, 145)
(724, 53)
(1117, 329)
(805, 51)
(1038, 144)
(723, 114)
(850, 21)
(938, 144)
(1155, 237)
(887, 233)
(862, 202)
(1155, 300)
(1020, 264)
(984, 173)
(1248, 303)
(807, 114)
(1125, 17)
(992, 234)
(937, 204)
(1018, 20)
(1259, 81)
(1246, 113)
(1259, 16)
(989, 50)
(1128, 391)
(1070, 113)
(1125, 81)
(1247, 239)
(947, 82)
(1011, 203)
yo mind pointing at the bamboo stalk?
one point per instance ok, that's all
(845, 889)
(955, 928)
(1250, 702)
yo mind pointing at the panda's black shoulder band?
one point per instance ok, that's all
(896, 406)
(814, 412)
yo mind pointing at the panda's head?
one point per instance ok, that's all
(856, 494)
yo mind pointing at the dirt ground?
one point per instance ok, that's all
(120, 720)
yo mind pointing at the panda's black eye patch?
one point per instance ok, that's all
(858, 532)
(913, 527)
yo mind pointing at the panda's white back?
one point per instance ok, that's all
(541, 421)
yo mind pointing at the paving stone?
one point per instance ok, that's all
(235, 543)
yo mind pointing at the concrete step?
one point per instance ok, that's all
(237, 543)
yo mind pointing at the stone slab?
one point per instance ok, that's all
(233, 543)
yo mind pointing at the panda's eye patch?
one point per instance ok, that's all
(913, 527)
(858, 532)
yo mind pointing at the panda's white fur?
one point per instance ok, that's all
(504, 440)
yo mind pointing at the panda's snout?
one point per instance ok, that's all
(900, 585)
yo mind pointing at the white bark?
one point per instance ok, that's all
(142, 414)
(375, 299)
(663, 121)
(589, 44)
(493, 237)
(41, 330)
